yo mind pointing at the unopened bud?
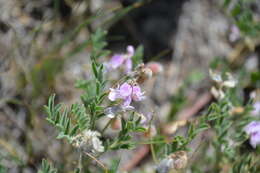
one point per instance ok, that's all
(151, 132)
(173, 127)
(155, 67)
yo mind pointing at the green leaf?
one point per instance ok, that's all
(138, 56)
(236, 10)
(46, 167)
(114, 167)
(70, 121)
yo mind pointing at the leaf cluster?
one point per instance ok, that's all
(46, 167)
(70, 121)
(242, 14)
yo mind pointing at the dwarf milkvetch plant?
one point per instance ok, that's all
(113, 100)
(78, 123)
(230, 131)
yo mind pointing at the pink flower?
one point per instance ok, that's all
(116, 61)
(253, 130)
(123, 60)
(127, 93)
(125, 90)
(256, 111)
(234, 33)
(137, 94)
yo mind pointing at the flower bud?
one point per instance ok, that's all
(151, 132)
(155, 67)
(173, 127)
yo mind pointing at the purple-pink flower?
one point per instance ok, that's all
(256, 110)
(127, 93)
(253, 130)
(123, 60)
(235, 33)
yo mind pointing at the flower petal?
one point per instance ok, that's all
(256, 111)
(116, 61)
(255, 139)
(125, 90)
(113, 94)
(127, 102)
(130, 51)
(137, 94)
(128, 65)
(252, 127)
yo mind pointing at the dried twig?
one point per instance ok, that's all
(138, 156)
(188, 112)
(101, 164)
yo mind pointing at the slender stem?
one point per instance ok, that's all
(106, 126)
(80, 162)
(137, 143)
(101, 164)
(153, 153)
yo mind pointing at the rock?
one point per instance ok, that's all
(201, 35)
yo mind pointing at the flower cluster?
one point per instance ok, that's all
(228, 82)
(253, 130)
(176, 161)
(127, 93)
(88, 141)
(123, 60)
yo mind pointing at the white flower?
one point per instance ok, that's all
(112, 112)
(175, 161)
(217, 93)
(230, 82)
(227, 82)
(215, 76)
(89, 141)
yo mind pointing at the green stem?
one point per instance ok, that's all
(80, 162)
(153, 153)
(106, 126)
(136, 143)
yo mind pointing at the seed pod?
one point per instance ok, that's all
(151, 132)
(180, 159)
(237, 110)
(116, 123)
(164, 165)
